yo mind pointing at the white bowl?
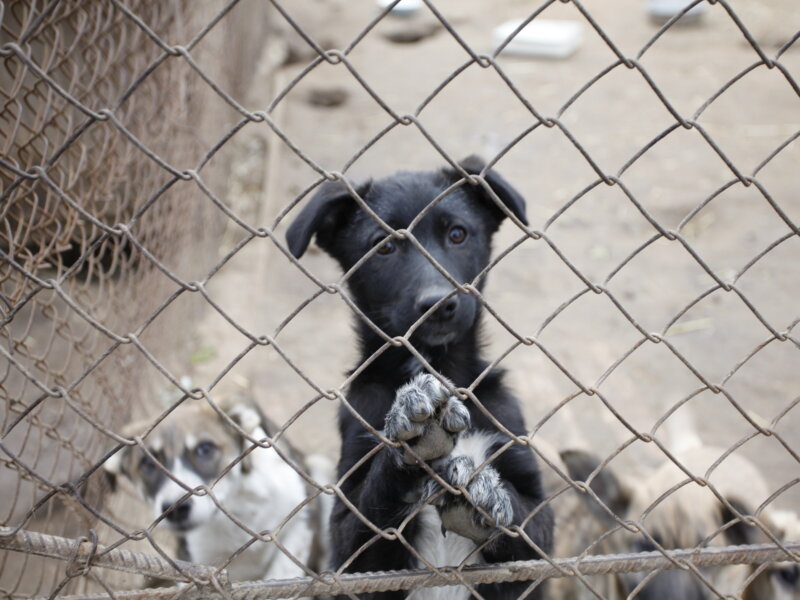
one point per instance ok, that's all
(403, 8)
(541, 38)
(666, 9)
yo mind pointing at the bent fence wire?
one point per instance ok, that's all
(116, 117)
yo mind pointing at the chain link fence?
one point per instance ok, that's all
(153, 155)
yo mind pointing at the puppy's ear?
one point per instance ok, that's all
(739, 533)
(504, 190)
(247, 416)
(323, 215)
(580, 465)
(113, 468)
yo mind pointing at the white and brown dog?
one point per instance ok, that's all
(255, 489)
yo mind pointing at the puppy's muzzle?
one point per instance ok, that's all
(443, 313)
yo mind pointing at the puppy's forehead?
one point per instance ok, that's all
(187, 425)
(198, 421)
(164, 440)
(403, 196)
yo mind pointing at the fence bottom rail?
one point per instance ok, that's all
(204, 582)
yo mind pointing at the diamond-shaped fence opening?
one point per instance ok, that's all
(595, 400)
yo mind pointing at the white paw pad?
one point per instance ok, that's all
(426, 417)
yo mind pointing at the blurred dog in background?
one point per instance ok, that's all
(257, 486)
(690, 516)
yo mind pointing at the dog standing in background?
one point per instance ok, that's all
(403, 294)
(262, 487)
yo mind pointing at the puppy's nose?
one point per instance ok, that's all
(445, 311)
(179, 514)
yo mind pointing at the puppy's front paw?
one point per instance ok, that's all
(483, 490)
(426, 417)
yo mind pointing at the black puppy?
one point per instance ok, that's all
(404, 294)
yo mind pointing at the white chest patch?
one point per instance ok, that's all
(476, 445)
(451, 550)
(442, 551)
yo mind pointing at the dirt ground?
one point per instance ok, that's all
(681, 182)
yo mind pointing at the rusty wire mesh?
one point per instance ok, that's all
(119, 218)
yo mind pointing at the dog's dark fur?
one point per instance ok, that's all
(395, 289)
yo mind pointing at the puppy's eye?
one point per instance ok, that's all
(457, 234)
(789, 575)
(147, 464)
(205, 450)
(386, 248)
